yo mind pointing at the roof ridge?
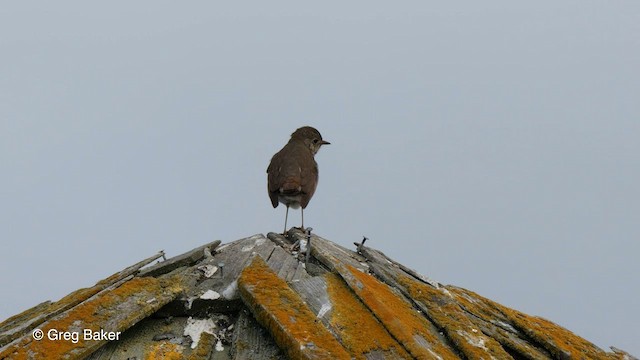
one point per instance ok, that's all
(325, 300)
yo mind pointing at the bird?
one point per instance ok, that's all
(292, 175)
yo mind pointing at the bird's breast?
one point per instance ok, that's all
(292, 201)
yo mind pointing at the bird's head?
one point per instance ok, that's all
(311, 138)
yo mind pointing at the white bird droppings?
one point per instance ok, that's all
(231, 292)
(219, 346)
(195, 328)
(208, 270)
(210, 295)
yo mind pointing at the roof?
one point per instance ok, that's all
(268, 298)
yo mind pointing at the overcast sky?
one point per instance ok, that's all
(492, 145)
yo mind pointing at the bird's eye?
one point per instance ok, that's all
(315, 141)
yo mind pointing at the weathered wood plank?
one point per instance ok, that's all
(286, 265)
(16, 327)
(496, 325)
(154, 338)
(131, 270)
(473, 338)
(112, 311)
(321, 249)
(377, 256)
(395, 312)
(222, 270)
(186, 259)
(289, 268)
(621, 354)
(16, 320)
(278, 259)
(279, 239)
(283, 313)
(359, 330)
(314, 292)
(440, 307)
(559, 342)
(348, 319)
(302, 272)
(252, 342)
(215, 289)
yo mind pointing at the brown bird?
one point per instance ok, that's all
(292, 175)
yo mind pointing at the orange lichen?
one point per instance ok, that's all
(98, 313)
(453, 320)
(59, 306)
(359, 330)
(203, 350)
(48, 309)
(42, 312)
(25, 315)
(560, 342)
(279, 309)
(164, 350)
(488, 316)
(474, 305)
(76, 297)
(399, 317)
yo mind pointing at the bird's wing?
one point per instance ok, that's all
(272, 183)
(309, 182)
(284, 177)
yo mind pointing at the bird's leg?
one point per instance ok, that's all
(302, 214)
(306, 259)
(285, 221)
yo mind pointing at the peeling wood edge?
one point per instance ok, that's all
(373, 255)
(140, 316)
(36, 318)
(189, 258)
(623, 354)
(450, 338)
(412, 346)
(491, 347)
(129, 270)
(328, 253)
(527, 348)
(279, 239)
(24, 342)
(14, 320)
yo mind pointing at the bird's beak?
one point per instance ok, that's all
(324, 142)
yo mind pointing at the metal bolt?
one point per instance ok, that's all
(364, 238)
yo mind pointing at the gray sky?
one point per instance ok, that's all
(490, 145)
